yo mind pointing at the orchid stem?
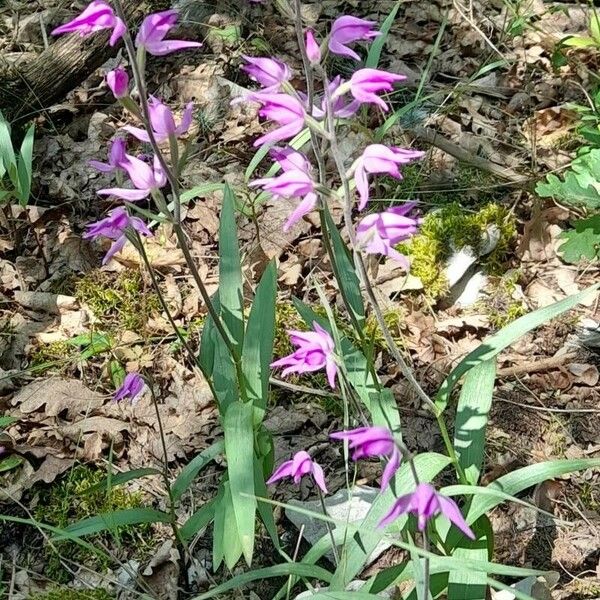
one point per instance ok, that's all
(328, 524)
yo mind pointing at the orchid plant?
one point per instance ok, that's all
(448, 548)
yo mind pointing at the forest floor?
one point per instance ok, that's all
(486, 76)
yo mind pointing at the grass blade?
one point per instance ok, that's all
(191, 470)
(200, 519)
(376, 47)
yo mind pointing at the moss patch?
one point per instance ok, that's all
(450, 228)
(72, 500)
(120, 301)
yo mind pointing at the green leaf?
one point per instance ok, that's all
(344, 595)
(238, 428)
(113, 520)
(191, 470)
(24, 166)
(580, 186)
(200, 519)
(6, 421)
(200, 191)
(361, 545)
(379, 42)
(264, 509)
(493, 345)
(583, 241)
(226, 541)
(282, 570)
(348, 279)
(231, 297)
(7, 153)
(121, 478)
(472, 416)
(579, 41)
(468, 584)
(257, 353)
(10, 462)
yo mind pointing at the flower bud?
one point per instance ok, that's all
(313, 51)
(118, 82)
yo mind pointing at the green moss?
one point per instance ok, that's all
(66, 593)
(120, 301)
(451, 228)
(47, 356)
(71, 500)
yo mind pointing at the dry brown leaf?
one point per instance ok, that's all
(55, 395)
(585, 374)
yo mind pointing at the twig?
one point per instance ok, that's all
(436, 139)
(533, 366)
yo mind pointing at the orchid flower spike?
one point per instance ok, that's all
(97, 16)
(294, 182)
(378, 233)
(116, 157)
(426, 503)
(380, 159)
(373, 441)
(302, 464)
(131, 388)
(314, 351)
(114, 227)
(153, 30)
(163, 122)
(144, 177)
(285, 110)
(346, 30)
(268, 72)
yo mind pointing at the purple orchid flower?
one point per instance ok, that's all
(302, 464)
(163, 122)
(116, 157)
(97, 16)
(114, 227)
(314, 351)
(378, 159)
(346, 30)
(153, 30)
(342, 109)
(268, 72)
(378, 233)
(426, 503)
(285, 110)
(144, 177)
(118, 82)
(131, 388)
(365, 83)
(294, 182)
(373, 441)
(313, 50)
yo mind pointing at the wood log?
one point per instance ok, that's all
(28, 90)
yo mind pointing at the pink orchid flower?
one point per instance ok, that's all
(313, 50)
(118, 82)
(285, 110)
(365, 83)
(378, 233)
(346, 30)
(268, 72)
(379, 159)
(314, 351)
(97, 16)
(144, 177)
(116, 157)
(294, 182)
(426, 503)
(302, 464)
(114, 227)
(163, 122)
(373, 441)
(153, 30)
(132, 388)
